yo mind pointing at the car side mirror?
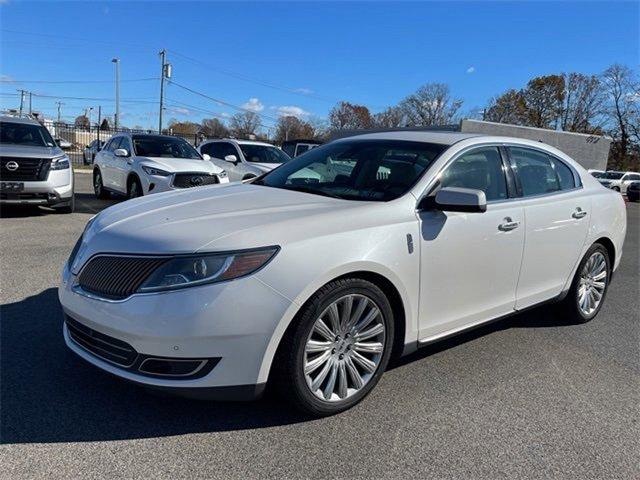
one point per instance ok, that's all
(87, 146)
(121, 152)
(206, 156)
(231, 159)
(455, 199)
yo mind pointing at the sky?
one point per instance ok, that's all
(296, 58)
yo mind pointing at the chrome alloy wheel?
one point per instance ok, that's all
(592, 284)
(344, 348)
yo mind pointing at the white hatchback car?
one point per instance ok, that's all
(402, 239)
(243, 159)
(140, 164)
(619, 181)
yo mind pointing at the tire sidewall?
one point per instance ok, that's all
(331, 293)
(97, 176)
(573, 294)
(134, 181)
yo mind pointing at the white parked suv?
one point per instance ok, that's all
(619, 181)
(140, 164)
(312, 281)
(33, 169)
(243, 159)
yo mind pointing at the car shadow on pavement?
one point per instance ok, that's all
(49, 395)
(85, 203)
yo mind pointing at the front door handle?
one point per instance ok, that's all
(508, 225)
(579, 213)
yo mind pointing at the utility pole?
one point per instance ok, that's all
(117, 116)
(30, 95)
(165, 72)
(22, 92)
(59, 104)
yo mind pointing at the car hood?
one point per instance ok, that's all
(9, 150)
(177, 165)
(265, 167)
(212, 218)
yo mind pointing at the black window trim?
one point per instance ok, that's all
(576, 177)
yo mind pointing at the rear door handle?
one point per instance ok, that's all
(508, 225)
(579, 213)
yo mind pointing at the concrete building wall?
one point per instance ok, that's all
(591, 151)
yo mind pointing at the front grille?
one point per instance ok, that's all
(188, 180)
(101, 345)
(28, 170)
(117, 277)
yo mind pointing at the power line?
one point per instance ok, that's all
(220, 102)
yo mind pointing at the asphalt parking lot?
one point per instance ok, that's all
(528, 397)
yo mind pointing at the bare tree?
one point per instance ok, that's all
(430, 105)
(346, 115)
(510, 107)
(244, 124)
(213, 128)
(82, 121)
(290, 127)
(622, 98)
(582, 108)
(183, 128)
(392, 117)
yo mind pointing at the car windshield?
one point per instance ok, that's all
(370, 170)
(161, 146)
(25, 134)
(263, 154)
(613, 175)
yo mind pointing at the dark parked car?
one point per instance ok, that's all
(633, 192)
(89, 153)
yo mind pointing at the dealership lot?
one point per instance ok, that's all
(530, 396)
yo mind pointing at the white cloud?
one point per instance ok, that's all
(254, 104)
(6, 78)
(291, 111)
(225, 115)
(180, 111)
(471, 69)
(304, 91)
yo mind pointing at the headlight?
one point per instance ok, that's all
(181, 272)
(60, 163)
(155, 171)
(76, 247)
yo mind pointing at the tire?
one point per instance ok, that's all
(98, 186)
(341, 353)
(134, 188)
(69, 208)
(617, 189)
(584, 276)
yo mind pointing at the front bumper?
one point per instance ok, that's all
(56, 189)
(158, 184)
(231, 322)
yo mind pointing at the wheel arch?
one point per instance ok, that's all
(391, 290)
(608, 244)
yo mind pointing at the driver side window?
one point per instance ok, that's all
(480, 169)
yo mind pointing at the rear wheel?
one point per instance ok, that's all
(98, 186)
(339, 347)
(590, 284)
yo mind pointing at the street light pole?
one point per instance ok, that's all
(162, 75)
(117, 116)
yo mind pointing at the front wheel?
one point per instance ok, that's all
(590, 284)
(98, 186)
(617, 189)
(134, 189)
(338, 348)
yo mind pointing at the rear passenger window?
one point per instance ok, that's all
(536, 173)
(479, 169)
(565, 175)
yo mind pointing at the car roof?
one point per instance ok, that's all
(443, 138)
(239, 141)
(12, 119)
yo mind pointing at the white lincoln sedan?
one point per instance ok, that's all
(314, 275)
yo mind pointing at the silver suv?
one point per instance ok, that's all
(33, 169)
